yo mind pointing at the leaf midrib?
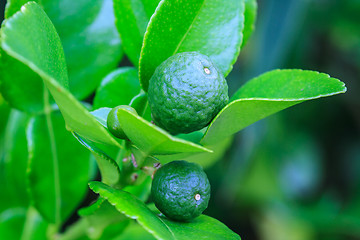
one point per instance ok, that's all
(172, 234)
(57, 187)
(187, 32)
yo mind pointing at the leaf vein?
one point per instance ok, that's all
(187, 32)
(167, 227)
(54, 156)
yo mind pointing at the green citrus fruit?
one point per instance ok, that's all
(186, 92)
(113, 123)
(181, 190)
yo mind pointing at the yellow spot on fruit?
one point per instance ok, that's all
(197, 197)
(207, 70)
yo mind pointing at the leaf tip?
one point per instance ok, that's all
(93, 185)
(344, 90)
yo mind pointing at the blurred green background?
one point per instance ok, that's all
(294, 175)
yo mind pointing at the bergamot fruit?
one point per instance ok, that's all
(113, 123)
(181, 190)
(186, 92)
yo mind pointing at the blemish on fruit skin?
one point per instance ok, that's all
(197, 197)
(207, 70)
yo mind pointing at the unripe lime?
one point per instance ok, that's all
(186, 92)
(181, 190)
(113, 123)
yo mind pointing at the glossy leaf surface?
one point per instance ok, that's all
(211, 27)
(78, 118)
(141, 105)
(4, 114)
(94, 35)
(17, 75)
(152, 139)
(14, 75)
(56, 189)
(12, 6)
(250, 19)
(101, 217)
(117, 88)
(6, 189)
(24, 39)
(11, 221)
(205, 159)
(132, 17)
(162, 228)
(135, 231)
(16, 158)
(49, 60)
(22, 223)
(268, 94)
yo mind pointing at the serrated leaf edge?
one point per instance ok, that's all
(94, 186)
(99, 153)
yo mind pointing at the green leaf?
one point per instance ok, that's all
(135, 231)
(14, 75)
(194, 137)
(114, 230)
(151, 139)
(109, 170)
(268, 94)
(78, 118)
(56, 189)
(21, 223)
(6, 190)
(141, 105)
(28, 20)
(240, 114)
(16, 158)
(213, 28)
(23, 37)
(141, 191)
(12, 6)
(204, 159)
(100, 218)
(97, 39)
(92, 209)
(250, 19)
(162, 228)
(117, 88)
(290, 85)
(143, 161)
(131, 20)
(11, 221)
(4, 114)
(94, 35)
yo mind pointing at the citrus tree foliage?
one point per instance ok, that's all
(56, 53)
